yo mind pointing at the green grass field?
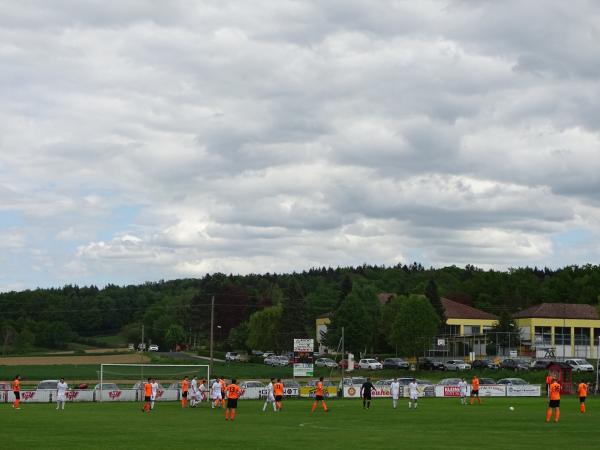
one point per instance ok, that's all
(438, 423)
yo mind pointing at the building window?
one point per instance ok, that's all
(582, 336)
(596, 336)
(562, 335)
(452, 330)
(543, 335)
(472, 330)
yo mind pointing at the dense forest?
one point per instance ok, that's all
(267, 311)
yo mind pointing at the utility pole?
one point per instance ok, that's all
(212, 323)
(342, 364)
(142, 357)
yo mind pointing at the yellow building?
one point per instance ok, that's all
(464, 320)
(568, 330)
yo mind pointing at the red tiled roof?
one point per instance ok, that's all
(455, 310)
(559, 311)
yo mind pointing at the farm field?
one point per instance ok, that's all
(438, 423)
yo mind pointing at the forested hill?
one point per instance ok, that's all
(175, 311)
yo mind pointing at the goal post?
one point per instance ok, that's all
(125, 382)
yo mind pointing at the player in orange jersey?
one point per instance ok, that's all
(233, 392)
(278, 391)
(475, 390)
(147, 395)
(16, 387)
(185, 387)
(582, 392)
(554, 403)
(319, 396)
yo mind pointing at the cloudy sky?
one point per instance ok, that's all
(145, 140)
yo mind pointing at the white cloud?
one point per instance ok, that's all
(142, 140)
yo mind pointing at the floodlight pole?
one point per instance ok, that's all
(212, 324)
(343, 371)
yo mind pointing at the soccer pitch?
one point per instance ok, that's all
(438, 423)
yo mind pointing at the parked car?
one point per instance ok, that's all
(277, 361)
(457, 364)
(291, 384)
(252, 384)
(153, 348)
(107, 387)
(515, 364)
(430, 364)
(268, 354)
(540, 364)
(580, 365)
(343, 364)
(395, 363)
(487, 381)
(231, 356)
(256, 353)
(382, 383)
(47, 385)
(326, 362)
(450, 381)
(512, 381)
(370, 364)
(130, 347)
(485, 364)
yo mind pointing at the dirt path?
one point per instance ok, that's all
(134, 358)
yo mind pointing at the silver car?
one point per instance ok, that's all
(326, 362)
(456, 364)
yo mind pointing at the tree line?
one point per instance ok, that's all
(266, 311)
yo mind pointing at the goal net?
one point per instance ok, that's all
(125, 382)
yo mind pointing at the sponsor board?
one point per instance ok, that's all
(525, 390)
(287, 392)
(449, 391)
(121, 395)
(304, 357)
(354, 392)
(32, 396)
(492, 390)
(78, 396)
(309, 391)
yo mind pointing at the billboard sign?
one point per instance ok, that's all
(304, 357)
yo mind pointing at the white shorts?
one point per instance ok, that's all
(61, 398)
(153, 397)
(414, 396)
(395, 396)
(270, 398)
(216, 396)
(463, 394)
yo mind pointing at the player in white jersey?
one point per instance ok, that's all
(215, 393)
(395, 390)
(413, 394)
(61, 394)
(194, 393)
(462, 390)
(154, 385)
(270, 396)
(202, 390)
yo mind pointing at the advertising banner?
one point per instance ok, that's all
(78, 396)
(492, 390)
(121, 395)
(31, 396)
(525, 390)
(423, 390)
(309, 391)
(354, 391)
(304, 357)
(449, 391)
(287, 392)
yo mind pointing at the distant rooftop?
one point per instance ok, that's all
(455, 310)
(559, 311)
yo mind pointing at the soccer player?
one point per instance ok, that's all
(223, 394)
(233, 392)
(16, 387)
(366, 391)
(278, 391)
(185, 386)
(462, 390)
(61, 394)
(475, 390)
(154, 385)
(319, 396)
(202, 390)
(215, 394)
(148, 396)
(395, 389)
(270, 396)
(194, 392)
(582, 391)
(554, 403)
(413, 393)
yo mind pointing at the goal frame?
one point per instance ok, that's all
(142, 366)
